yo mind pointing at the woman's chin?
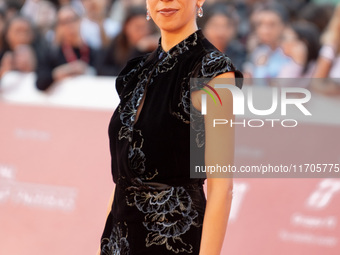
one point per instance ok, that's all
(169, 27)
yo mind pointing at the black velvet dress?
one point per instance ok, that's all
(157, 208)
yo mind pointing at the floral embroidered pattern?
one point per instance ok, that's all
(123, 79)
(214, 64)
(137, 160)
(182, 111)
(168, 215)
(118, 243)
(169, 62)
(136, 157)
(130, 74)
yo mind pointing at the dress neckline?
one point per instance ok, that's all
(182, 46)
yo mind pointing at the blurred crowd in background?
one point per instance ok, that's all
(265, 39)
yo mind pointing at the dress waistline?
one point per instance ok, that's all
(161, 186)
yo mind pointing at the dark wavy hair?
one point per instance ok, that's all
(309, 34)
(6, 46)
(121, 43)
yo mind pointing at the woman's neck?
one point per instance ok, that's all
(171, 38)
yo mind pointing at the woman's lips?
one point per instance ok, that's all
(168, 11)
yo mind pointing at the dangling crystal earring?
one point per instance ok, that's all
(200, 12)
(148, 17)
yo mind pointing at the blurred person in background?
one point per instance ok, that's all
(300, 41)
(318, 14)
(97, 29)
(328, 64)
(43, 14)
(13, 8)
(267, 57)
(70, 57)
(134, 40)
(220, 25)
(19, 46)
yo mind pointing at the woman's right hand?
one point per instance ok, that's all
(109, 206)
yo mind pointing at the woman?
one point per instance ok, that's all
(157, 208)
(20, 46)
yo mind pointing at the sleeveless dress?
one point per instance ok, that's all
(157, 208)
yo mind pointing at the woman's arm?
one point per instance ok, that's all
(108, 209)
(219, 150)
(330, 46)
